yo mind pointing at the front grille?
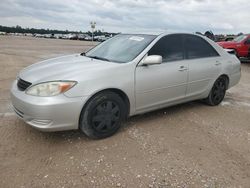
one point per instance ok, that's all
(22, 84)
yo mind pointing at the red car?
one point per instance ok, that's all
(241, 46)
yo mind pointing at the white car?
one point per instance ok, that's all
(126, 75)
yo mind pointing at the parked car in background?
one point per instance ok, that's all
(229, 38)
(58, 36)
(102, 38)
(126, 75)
(88, 38)
(39, 35)
(240, 45)
(82, 36)
(49, 36)
(222, 38)
(72, 36)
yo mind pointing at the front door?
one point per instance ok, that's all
(157, 85)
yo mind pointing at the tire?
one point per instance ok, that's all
(102, 116)
(217, 92)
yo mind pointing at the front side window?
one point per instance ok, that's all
(197, 47)
(169, 47)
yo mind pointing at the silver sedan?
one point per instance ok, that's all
(126, 75)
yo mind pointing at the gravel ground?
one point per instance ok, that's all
(189, 145)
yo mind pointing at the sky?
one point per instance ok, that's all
(220, 16)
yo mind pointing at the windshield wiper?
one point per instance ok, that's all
(100, 58)
(83, 54)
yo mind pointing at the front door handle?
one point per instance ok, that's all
(183, 68)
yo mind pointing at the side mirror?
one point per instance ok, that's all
(247, 42)
(152, 60)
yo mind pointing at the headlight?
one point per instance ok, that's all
(48, 89)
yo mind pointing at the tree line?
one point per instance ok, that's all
(19, 29)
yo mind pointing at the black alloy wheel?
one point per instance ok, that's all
(218, 92)
(103, 114)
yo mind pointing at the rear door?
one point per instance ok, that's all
(204, 64)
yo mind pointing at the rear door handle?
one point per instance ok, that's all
(183, 68)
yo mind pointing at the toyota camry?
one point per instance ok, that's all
(126, 75)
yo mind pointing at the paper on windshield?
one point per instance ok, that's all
(136, 38)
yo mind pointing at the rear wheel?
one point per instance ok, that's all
(218, 92)
(103, 115)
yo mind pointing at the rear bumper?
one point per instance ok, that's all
(234, 79)
(55, 113)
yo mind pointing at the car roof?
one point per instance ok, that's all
(159, 33)
(156, 33)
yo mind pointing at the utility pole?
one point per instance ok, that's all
(92, 24)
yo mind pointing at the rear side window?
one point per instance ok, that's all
(196, 47)
(169, 47)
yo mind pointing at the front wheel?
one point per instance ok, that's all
(217, 92)
(103, 115)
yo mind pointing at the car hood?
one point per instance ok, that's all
(70, 67)
(227, 44)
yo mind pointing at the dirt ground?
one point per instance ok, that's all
(189, 145)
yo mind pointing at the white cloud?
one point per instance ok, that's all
(221, 16)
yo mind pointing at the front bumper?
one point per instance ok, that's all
(55, 113)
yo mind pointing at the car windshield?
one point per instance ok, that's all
(240, 38)
(121, 48)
